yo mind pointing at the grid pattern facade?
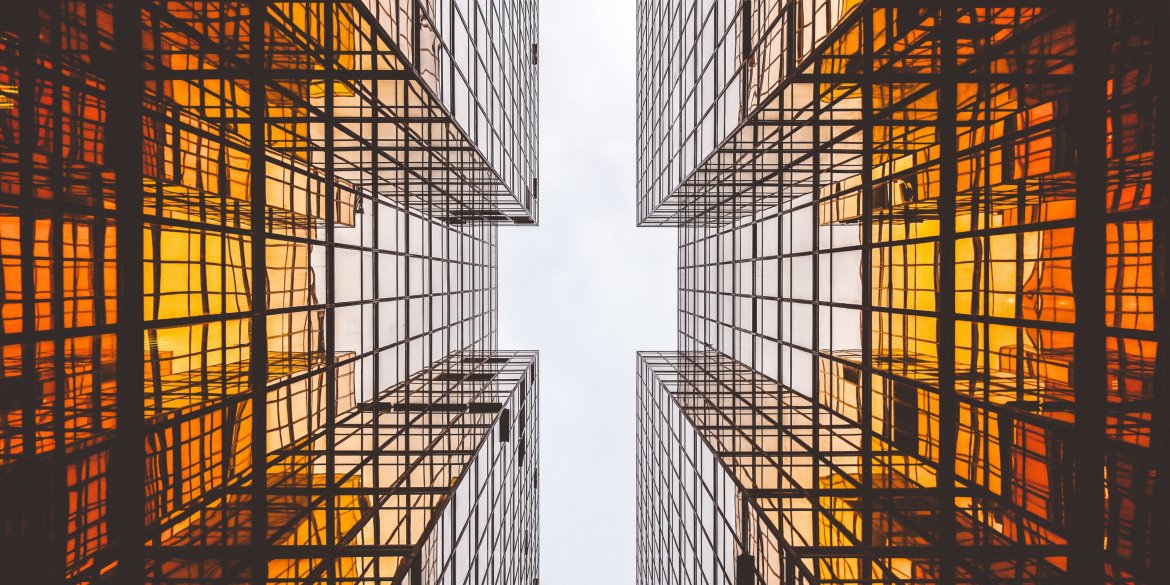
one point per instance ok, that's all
(432, 481)
(705, 67)
(942, 229)
(695, 524)
(314, 198)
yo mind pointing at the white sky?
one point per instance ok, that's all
(588, 289)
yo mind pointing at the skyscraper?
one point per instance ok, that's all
(922, 285)
(248, 292)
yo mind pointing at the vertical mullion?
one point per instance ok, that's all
(817, 404)
(330, 541)
(948, 414)
(376, 289)
(258, 359)
(57, 247)
(124, 147)
(1160, 420)
(867, 139)
(404, 288)
(1088, 100)
(27, 122)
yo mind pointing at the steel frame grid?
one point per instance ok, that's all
(470, 155)
(753, 155)
(771, 282)
(679, 475)
(418, 469)
(797, 525)
(246, 339)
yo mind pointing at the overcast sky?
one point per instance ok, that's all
(588, 289)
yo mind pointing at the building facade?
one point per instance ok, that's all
(248, 292)
(922, 292)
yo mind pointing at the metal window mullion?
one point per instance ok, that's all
(124, 148)
(27, 122)
(376, 293)
(867, 131)
(1089, 377)
(1160, 421)
(258, 346)
(947, 89)
(330, 541)
(817, 404)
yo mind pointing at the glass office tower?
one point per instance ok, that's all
(248, 292)
(923, 292)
